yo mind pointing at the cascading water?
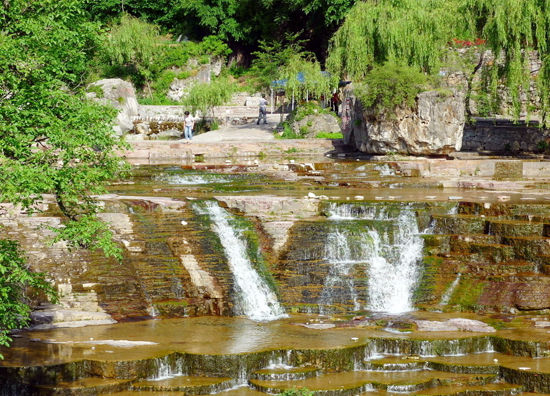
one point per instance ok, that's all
(449, 292)
(394, 268)
(342, 259)
(254, 297)
(392, 258)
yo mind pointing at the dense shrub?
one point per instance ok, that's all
(390, 85)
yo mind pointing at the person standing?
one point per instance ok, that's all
(188, 124)
(263, 110)
(335, 102)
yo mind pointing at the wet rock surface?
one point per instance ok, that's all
(456, 324)
(487, 254)
(208, 355)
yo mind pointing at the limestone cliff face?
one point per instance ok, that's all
(122, 96)
(434, 127)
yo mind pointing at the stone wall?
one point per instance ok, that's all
(497, 135)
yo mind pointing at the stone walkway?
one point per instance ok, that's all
(241, 133)
(248, 140)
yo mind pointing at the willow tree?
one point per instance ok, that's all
(418, 33)
(304, 77)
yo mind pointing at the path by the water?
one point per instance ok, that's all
(242, 133)
(248, 140)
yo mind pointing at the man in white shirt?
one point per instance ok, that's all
(263, 110)
(188, 124)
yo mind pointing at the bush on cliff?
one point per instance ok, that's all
(390, 85)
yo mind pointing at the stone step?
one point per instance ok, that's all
(493, 252)
(85, 386)
(530, 247)
(500, 389)
(60, 317)
(396, 364)
(356, 382)
(189, 385)
(459, 224)
(285, 374)
(235, 391)
(510, 228)
(461, 243)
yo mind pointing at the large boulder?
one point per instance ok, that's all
(121, 95)
(434, 127)
(312, 124)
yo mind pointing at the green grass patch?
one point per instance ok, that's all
(329, 135)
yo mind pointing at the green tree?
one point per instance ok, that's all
(132, 48)
(52, 140)
(242, 23)
(304, 77)
(418, 34)
(205, 96)
(274, 55)
(16, 279)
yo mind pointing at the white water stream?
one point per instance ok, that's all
(394, 267)
(449, 292)
(391, 259)
(254, 298)
(342, 259)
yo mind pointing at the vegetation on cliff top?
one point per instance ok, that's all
(419, 34)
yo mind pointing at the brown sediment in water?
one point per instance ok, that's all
(494, 233)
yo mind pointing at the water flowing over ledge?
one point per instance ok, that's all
(254, 298)
(391, 254)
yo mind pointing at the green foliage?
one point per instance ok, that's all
(309, 108)
(288, 61)
(204, 96)
(95, 89)
(329, 135)
(52, 140)
(240, 22)
(160, 86)
(390, 85)
(405, 31)
(302, 111)
(304, 78)
(131, 48)
(214, 46)
(297, 392)
(274, 55)
(16, 282)
(288, 132)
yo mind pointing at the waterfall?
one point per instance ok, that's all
(391, 254)
(342, 259)
(254, 298)
(394, 269)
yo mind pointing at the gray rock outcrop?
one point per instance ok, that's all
(121, 95)
(311, 125)
(434, 127)
(180, 87)
(455, 324)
